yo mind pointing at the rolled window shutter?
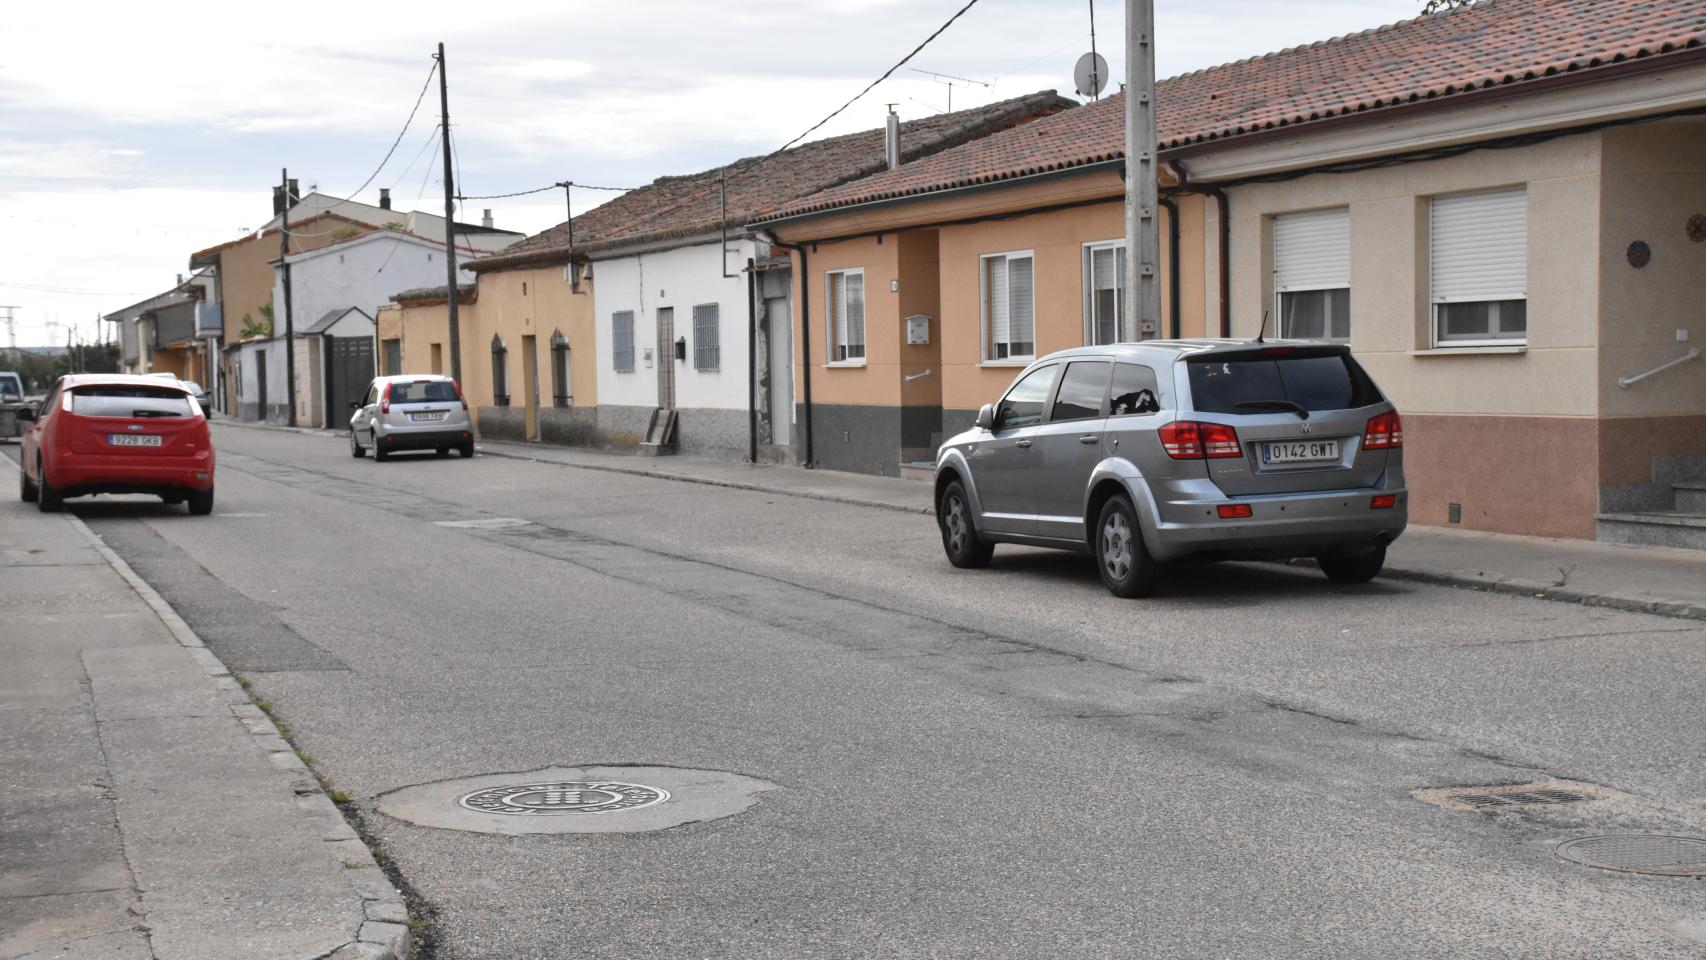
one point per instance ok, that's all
(1021, 319)
(997, 285)
(1312, 251)
(838, 306)
(1103, 276)
(856, 313)
(1478, 246)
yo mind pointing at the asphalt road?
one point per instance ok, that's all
(998, 763)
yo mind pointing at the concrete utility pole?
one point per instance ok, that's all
(289, 332)
(449, 223)
(1142, 319)
(11, 329)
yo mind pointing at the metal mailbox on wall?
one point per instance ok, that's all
(918, 329)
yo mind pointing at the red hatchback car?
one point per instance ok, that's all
(112, 433)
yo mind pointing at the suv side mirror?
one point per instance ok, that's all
(355, 404)
(25, 414)
(986, 417)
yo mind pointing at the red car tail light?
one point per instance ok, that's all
(385, 399)
(459, 395)
(1385, 432)
(1195, 440)
(1383, 501)
(1233, 511)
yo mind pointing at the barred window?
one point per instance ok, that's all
(561, 396)
(707, 353)
(622, 340)
(500, 372)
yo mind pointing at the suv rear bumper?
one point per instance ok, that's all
(1283, 525)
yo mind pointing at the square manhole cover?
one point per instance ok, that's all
(484, 523)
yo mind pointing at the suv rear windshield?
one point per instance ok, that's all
(11, 386)
(128, 401)
(423, 391)
(1261, 384)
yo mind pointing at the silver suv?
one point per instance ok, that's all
(1143, 453)
(419, 412)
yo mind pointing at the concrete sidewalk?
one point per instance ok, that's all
(148, 809)
(1657, 580)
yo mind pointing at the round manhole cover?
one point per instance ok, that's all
(564, 796)
(1639, 853)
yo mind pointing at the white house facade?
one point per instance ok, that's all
(673, 330)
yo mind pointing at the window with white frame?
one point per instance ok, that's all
(1009, 306)
(1478, 268)
(845, 295)
(707, 353)
(1104, 291)
(1312, 274)
(622, 340)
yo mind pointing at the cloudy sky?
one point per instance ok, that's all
(134, 133)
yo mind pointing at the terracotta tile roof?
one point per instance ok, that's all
(1495, 43)
(685, 206)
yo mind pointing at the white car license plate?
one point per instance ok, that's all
(1300, 451)
(425, 417)
(134, 439)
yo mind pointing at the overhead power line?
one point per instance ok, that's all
(400, 134)
(549, 186)
(868, 87)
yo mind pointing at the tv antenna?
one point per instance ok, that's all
(950, 81)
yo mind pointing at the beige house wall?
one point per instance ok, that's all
(877, 379)
(1557, 373)
(1655, 179)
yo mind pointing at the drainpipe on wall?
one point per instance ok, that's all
(1172, 266)
(752, 360)
(805, 345)
(1224, 206)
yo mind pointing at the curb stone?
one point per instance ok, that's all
(1513, 587)
(384, 931)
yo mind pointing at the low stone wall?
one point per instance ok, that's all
(854, 437)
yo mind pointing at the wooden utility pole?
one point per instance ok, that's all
(449, 223)
(1142, 312)
(289, 331)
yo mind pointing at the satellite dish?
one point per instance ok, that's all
(1091, 75)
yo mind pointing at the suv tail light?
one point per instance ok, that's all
(1385, 432)
(1195, 440)
(385, 399)
(459, 395)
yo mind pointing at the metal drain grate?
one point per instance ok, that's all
(1639, 853)
(1516, 797)
(1484, 801)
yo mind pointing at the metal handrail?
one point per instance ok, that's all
(1627, 382)
(919, 375)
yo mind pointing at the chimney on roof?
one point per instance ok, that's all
(384, 198)
(277, 200)
(295, 192)
(486, 220)
(891, 138)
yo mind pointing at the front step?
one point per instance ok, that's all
(660, 434)
(918, 470)
(1686, 529)
(1690, 495)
